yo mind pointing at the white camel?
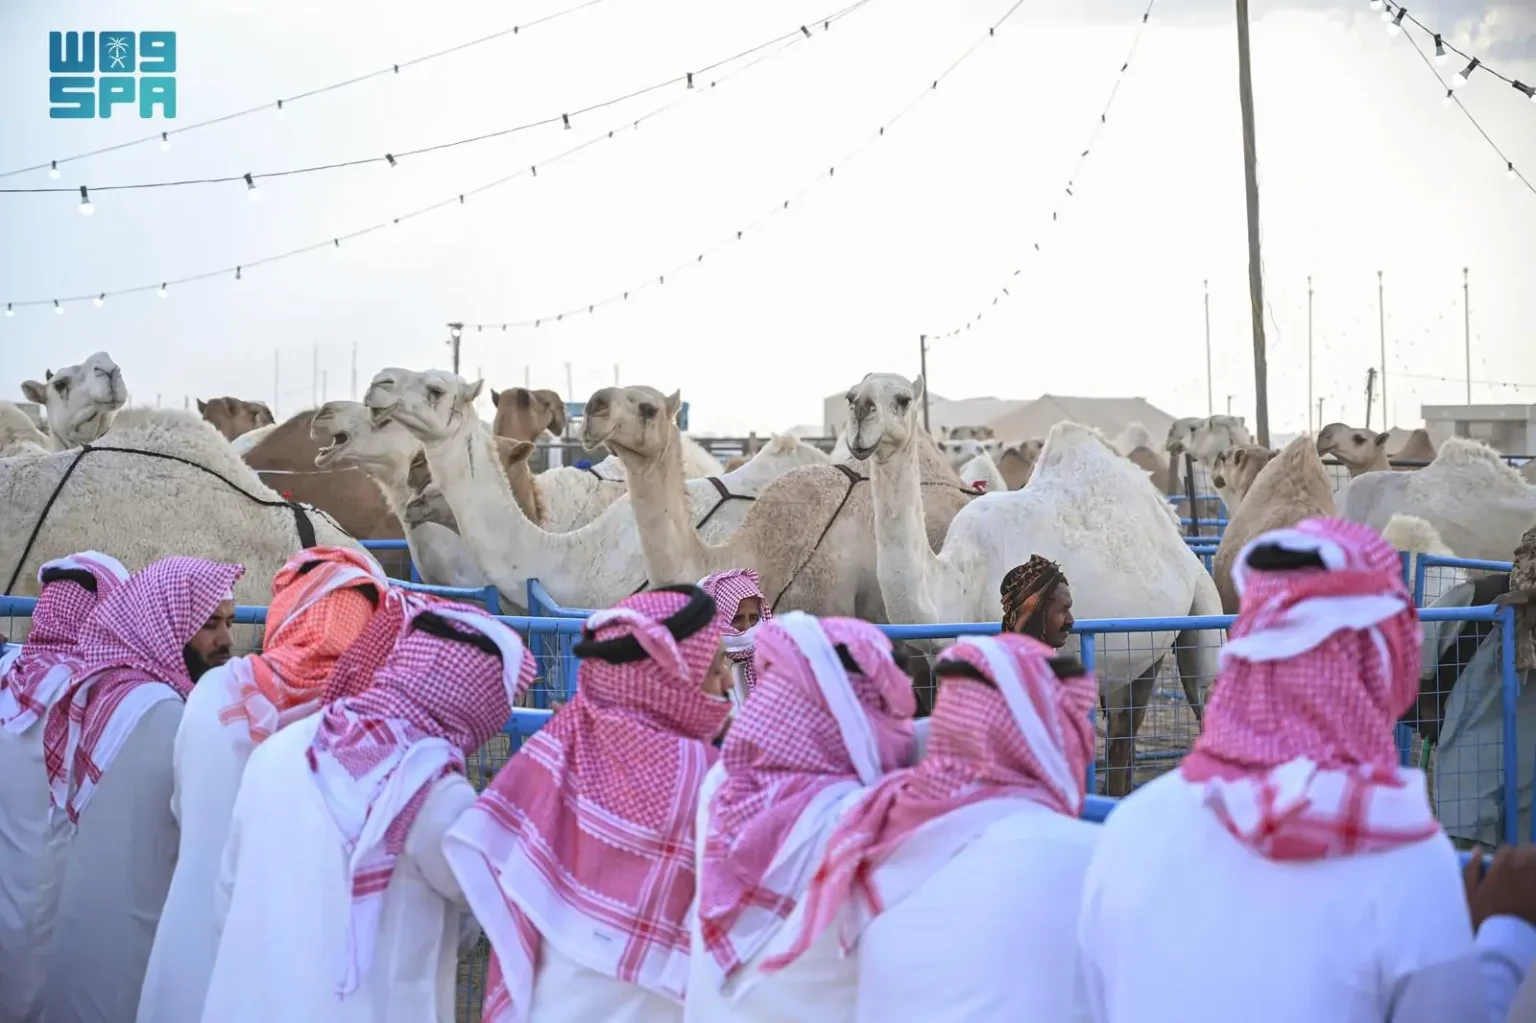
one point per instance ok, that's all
(982, 472)
(384, 452)
(81, 400)
(594, 566)
(1478, 504)
(1086, 507)
(1134, 436)
(1416, 538)
(125, 501)
(18, 437)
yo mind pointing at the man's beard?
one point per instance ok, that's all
(197, 666)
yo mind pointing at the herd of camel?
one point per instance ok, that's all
(892, 526)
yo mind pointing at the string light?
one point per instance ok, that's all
(457, 199)
(1069, 191)
(1397, 23)
(86, 208)
(278, 112)
(53, 170)
(101, 300)
(1440, 54)
(1530, 93)
(165, 141)
(8, 310)
(58, 310)
(1463, 75)
(660, 279)
(1375, 5)
(392, 69)
(394, 156)
(251, 190)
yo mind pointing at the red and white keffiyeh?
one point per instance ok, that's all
(376, 754)
(1296, 752)
(1030, 738)
(315, 615)
(42, 669)
(585, 839)
(729, 589)
(134, 639)
(811, 736)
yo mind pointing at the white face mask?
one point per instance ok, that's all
(740, 643)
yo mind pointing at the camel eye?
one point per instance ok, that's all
(903, 400)
(435, 393)
(849, 397)
(647, 410)
(62, 386)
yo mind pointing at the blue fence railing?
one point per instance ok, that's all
(1426, 562)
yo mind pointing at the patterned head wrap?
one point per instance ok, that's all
(729, 589)
(1023, 732)
(786, 788)
(133, 640)
(319, 607)
(1296, 752)
(72, 587)
(1027, 591)
(585, 839)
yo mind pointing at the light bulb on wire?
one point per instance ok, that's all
(1386, 14)
(1375, 5)
(8, 310)
(86, 208)
(1460, 78)
(1440, 54)
(1449, 95)
(279, 111)
(99, 300)
(1396, 25)
(58, 310)
(1530, 92)
(252, 192)
(165, 141)
(162, 291)
(53, 169)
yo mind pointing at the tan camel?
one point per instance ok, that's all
(1086, 508)
(429, 505)
(1235, 469)
(19, 438)
(1418, 448)
(1360, 451)
(235, 417)
(809, 537)
(1153, 464)
(388, 455)
(1016, 463)
(285, 459)
(81, 400)
(140, 508)
(1293, 486)
(522, 414)
(594, 566)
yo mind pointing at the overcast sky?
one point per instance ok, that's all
(1362, 170)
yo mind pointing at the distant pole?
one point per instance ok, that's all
(314, 383)
(528, 379)
(1309, 359)
(275, 378)
(1319, 413)
(570, 386)
(1210, 398)
(922, 358)
(325, 385)
(1229, 404)
(1466, 309)
(615, 374)
(1381, 312)
(353, 392)
(157, 399)
(1251, 176)
(186, 402)
(1370, 389)
(455, 330)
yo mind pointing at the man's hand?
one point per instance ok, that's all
(1506, 888)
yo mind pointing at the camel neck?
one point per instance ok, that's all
(674, 553)
(903, 557)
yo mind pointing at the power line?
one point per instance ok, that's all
(52, 166)
(657, 280)
(393, 157)
(800, 35)
(1082, 160)
(1394, 15)
(1462, 380)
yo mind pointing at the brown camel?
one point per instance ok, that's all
(522, 414)
(285, 460)
(235, 416)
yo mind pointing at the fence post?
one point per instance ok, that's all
(1189, 493)
(1085, 654)
(1511, 696)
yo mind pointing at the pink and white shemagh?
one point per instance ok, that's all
(133, 639)
(48, 659)
(376, 753)
(1296, 752)
(1030, 737)
(729, 589)
(585, 839)
(812, 736)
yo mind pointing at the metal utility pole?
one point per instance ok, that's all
(1319, 413)
(455, 330)
(276, 377)
(1251, 176)
(1210, 400)
(922, 358)
(157, 399)
(1466, 308)
(1229, 404)
(1381, 312)
(1309, 359)
(314, 383)
(1370, 390)
(353, 393)
(325, 385)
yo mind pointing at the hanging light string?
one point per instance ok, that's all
(393, 157)
(532, 171)
(164, 137)
(1473, 66)
(1070, 191)
(1461, 380)
(1395, 14)
(657, 280)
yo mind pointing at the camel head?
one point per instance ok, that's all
(882, 415)
(81, 400)
(1180, 434)
(1074, 447)
(1018, 462)
(1235, 469)
(429, 505)
(523, 414)
(233, 417)
(351, 439)
(434, 405)
(18, 435)
(1349, 445)
(632, 422)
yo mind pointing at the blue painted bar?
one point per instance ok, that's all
(1428, 561)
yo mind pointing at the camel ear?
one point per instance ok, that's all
(471, 391)
(674, 404)
(47, 374)
(1382, 438)
(202, 407)
(1238, 456)
(35, 392)
(263, 406)
(917, 388)
(516, 451)
(495, 398)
